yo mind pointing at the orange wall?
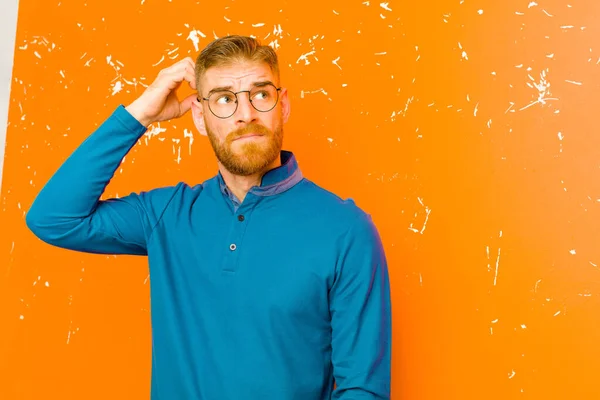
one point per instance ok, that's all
(467, 129)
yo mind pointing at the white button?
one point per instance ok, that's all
(232, 247)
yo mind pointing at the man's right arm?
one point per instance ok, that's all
(68, 212)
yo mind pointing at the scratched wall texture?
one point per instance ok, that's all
(468, 129)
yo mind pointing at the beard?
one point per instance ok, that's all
(252, 157)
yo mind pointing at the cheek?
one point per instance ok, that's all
(217, 129)
(271, 121)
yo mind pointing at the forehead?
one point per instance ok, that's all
(236, 75)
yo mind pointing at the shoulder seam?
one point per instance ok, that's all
(178, 188)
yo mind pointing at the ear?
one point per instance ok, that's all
(198, 116)
(285, 104)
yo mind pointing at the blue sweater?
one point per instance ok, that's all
(274, 298)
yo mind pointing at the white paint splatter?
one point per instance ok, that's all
(543, 88)
(303, 92)
(385, 6)
(193, 36)
(497, 267)
(427, 212)
(277, 31)
(159, 61)
(274, 44)
(305, 57)
(188, 134)
(170, 53)
(464, 53)
(335, 62)
(154, 130)
(116, 87)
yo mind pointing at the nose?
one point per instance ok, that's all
(245, 112)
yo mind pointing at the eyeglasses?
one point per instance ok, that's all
(224, 103)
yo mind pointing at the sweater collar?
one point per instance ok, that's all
(275, 181)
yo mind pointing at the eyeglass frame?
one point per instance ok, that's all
(237, 102)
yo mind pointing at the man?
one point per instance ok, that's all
(263, 285)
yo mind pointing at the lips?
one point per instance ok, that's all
(248, 131)
(249, 135)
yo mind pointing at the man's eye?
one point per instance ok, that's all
(224, 99)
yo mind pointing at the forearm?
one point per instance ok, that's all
(73, 192)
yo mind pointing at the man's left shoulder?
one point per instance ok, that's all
(341, 212)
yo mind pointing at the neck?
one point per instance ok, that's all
(240, 185)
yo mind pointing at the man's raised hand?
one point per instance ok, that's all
(159, 102)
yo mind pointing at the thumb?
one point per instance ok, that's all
(186, 104)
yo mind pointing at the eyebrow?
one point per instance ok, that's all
(230, 88)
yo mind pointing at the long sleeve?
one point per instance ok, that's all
(361, 317)
(68, 212)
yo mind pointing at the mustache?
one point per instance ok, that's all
(250, 128)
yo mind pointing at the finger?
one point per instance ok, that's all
(191, 77)
(188, 62)
(179, 66)
(191, 62)
(192, 67)
(174, 79)
(170, 81)
(183, 70)
(184, 61)
(186, 104)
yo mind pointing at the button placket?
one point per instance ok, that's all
(236, 237)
